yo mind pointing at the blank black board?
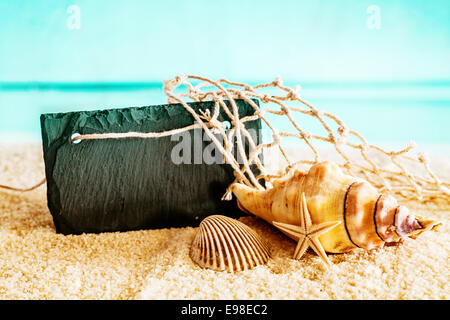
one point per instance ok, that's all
(132, 183)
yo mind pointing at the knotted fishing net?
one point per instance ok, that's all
(395, 172)
(399, 173)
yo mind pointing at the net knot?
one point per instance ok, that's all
(278, 82)
(266, 98)
(318, 113)
(205, 114)
(170, 85)
(343, 131)
(347, 165)
(306, 135)
(276, 138)
(194, 92)
(331, 138)
(293, 93)
(423, 157)
(363, 147)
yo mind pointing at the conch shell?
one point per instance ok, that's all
(368, 219)
(225, 244)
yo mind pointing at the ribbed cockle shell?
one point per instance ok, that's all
(224, 243)
(368, 219)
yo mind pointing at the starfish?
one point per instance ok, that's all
(307, 233)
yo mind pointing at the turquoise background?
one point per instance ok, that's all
(392, 84)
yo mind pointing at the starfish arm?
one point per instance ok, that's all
(317, 247)
(289, 228)
(307, 233)
(301, 248)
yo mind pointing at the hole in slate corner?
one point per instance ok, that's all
(227, 124)
(73, 137)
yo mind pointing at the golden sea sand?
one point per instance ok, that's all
(37, 263)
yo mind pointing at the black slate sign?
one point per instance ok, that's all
(132, 183)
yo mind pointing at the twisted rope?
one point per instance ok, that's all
(403, 183)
